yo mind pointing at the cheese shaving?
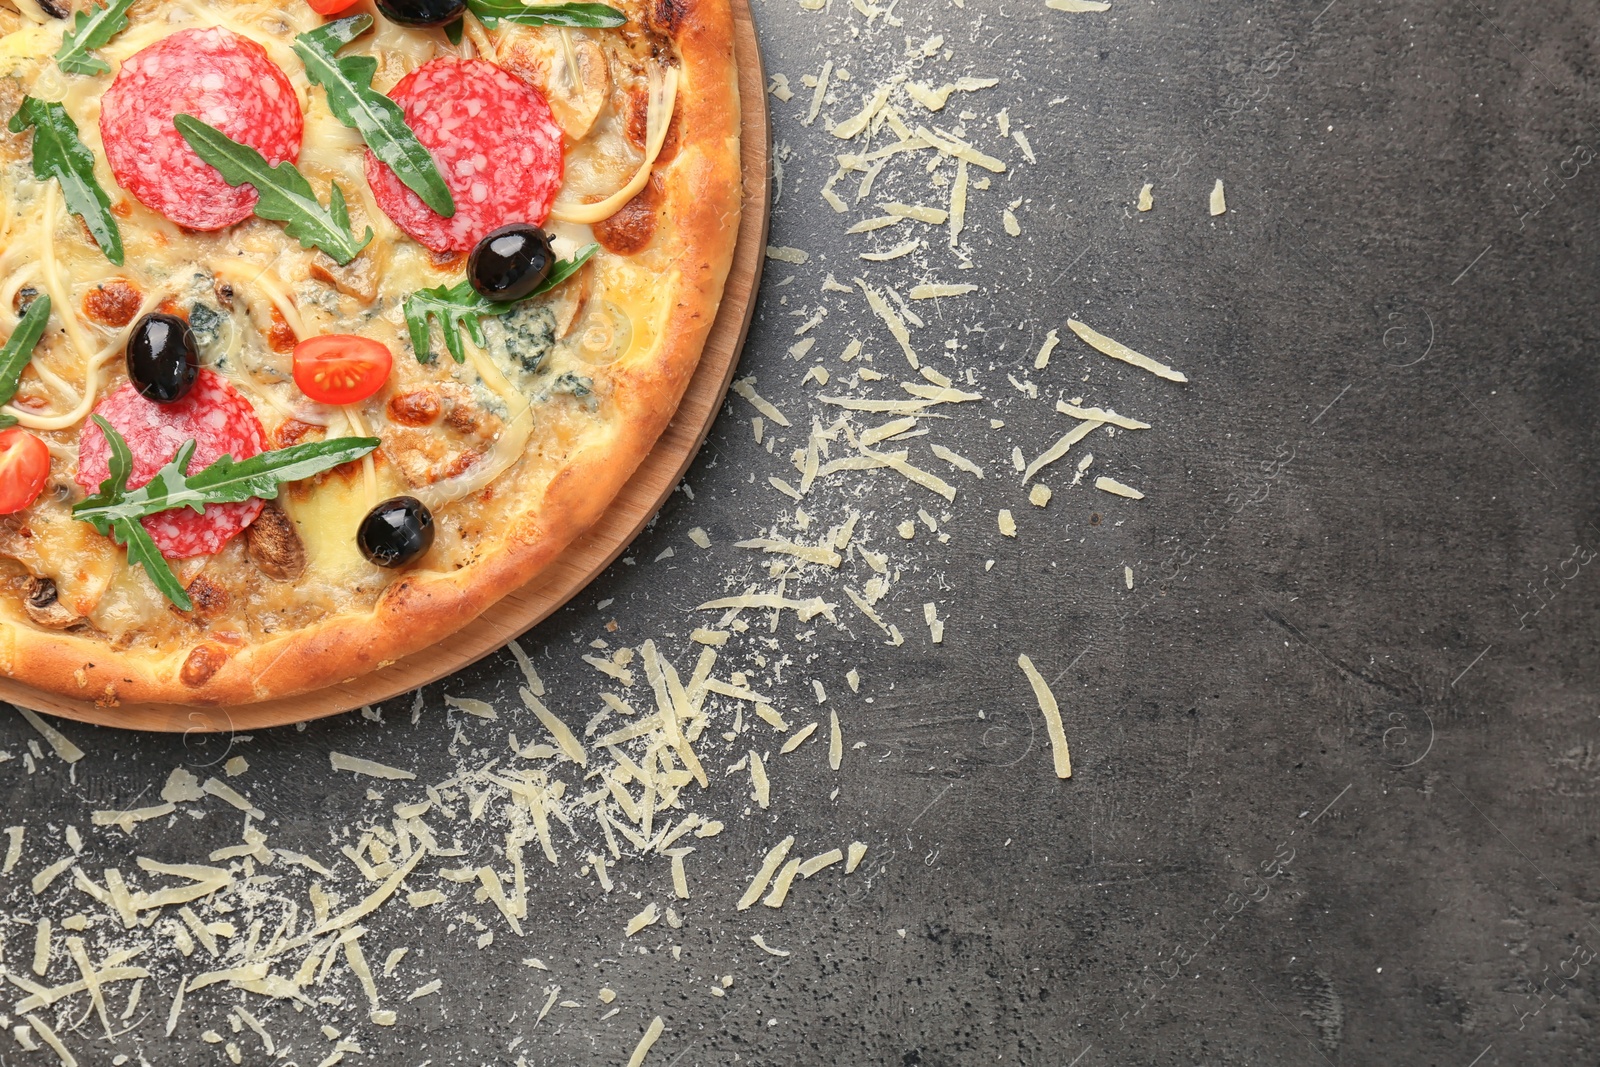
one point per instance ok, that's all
(821, 91)
(853, 860)
(1059, 449)
(1219, 199)
(1042, 360)
(1008, 524)
(1039, 495)
(69, 752)
(759, 781)
(857, 123)
(896, 252)
(781, 884)
(642, 1049)
(228, 795)
(784, 254)
(934, 292)
(1077, 6)
(933, 215)
(1146, 199)
(680, 878)
(897, 326)
(564, 737)
(370, 768)
(820, 863)
(769, 866)
(1100, 415)
(835, 741)
(13, 848)
(476, 708)
(761, 943)
(958, 203)
(798, 739)
(805, 609)
(648, 917)
(1052, 716)
(49, 1037)
(879, 223)
(935, 99)
(746, 387)
(956, 148)
(1111, 485)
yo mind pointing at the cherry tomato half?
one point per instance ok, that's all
(330, 7)
(24, 468)
(341, 368)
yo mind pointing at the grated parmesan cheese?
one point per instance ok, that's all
(648, 917)
(769, 866)
(476, 708)
(371, 769)
(746, 387)
(1219, 199)
(781, 884)
(853, 859)
(66, 750)
(642, 1049)
(1100, 415)
(1117, 350)
(1039, 495)
(1111, 485)
(783, 254)
(1008, 525)
(933, 292)
(798, 739)
(1146, 200)
(1052, 717)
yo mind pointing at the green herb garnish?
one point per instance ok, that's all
(19, 350)
(115, 510)
(460, 305)
(285, 194)
(59, 154)
(576, 16)
(380, 121)
(90, 30)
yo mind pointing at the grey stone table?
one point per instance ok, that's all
(1335, 751)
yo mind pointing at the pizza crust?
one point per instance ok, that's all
(701, 202)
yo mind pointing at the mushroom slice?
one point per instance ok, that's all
(45, 608)
(274, 545)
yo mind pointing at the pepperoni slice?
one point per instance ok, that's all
(496, 144)
(220, 78)
(220, 421)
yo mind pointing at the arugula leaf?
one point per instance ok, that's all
(460, 305)
(130, 533)
(380, 121)
(286, 196)
(577, 16)
(19, 349)
(90, 30)
(115, 510)
(59, 154)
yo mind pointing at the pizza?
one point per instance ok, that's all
(327, 325)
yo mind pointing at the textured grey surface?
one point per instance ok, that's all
(1336, 752)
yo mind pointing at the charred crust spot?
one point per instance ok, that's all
(419, 408)
(210, 599)
(203, 663)
(447, 261)
(274, 545)
(462, 418)
(24, 299)
(292, 432)
(667, 16)
(113, 304)
(633, 227)
(224, 293)
(280, 335)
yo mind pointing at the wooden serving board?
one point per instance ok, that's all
(649, 488)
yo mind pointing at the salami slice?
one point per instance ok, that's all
(220, 78)
(219, 420)
(496, 144)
